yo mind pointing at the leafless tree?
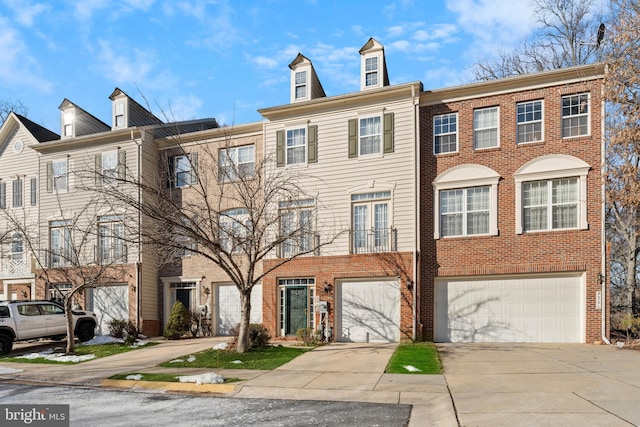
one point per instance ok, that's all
(233, 214)
(7, 106)
(567, 36)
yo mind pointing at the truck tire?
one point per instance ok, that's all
(86, 331)
(6, 344)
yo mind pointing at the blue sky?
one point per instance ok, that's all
(227, 59)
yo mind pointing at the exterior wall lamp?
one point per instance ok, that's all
(328, 287)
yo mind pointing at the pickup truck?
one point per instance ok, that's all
(28, 320)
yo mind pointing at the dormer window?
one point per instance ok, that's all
(67, 121)
(118, 112)
(371, 72)
(301, 85)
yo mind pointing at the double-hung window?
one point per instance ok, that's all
(529, 121)
(109, 166)
(485, 128)
(17, 192)
(370, 136)
(465, 212)
(183, 170)
(296, 146)
(550, 204)
(575, 115)
(371, 72)
(111, 246)
(235, 229)
(300, 85)
(58, 175)
(60, 243)
(445, 133)
(119, 114)
(371, 230)
(297, 225)
(236, 163)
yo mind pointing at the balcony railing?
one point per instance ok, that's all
(373, 240)
(10, 266)
(307, 243)
(110, 255)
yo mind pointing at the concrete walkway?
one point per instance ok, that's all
(543, 384)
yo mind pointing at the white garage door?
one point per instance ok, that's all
(110, 302)
(368, 311)
(228, 307)
(532, 309)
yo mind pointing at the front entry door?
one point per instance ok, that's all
(184, 296)
(296, 309)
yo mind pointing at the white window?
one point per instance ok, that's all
(236, 163)
(485, 128)
(67, 121)
(465, 212)
(17, 192)
(183, 170)
(119, 114)
(575, 115)
(17, 248)
(296, 146)
(235, 229)
(111, 246)
(550, 205)
(109, 167)
(59, 175)
(370, 136)
(529, 119)
(371, 230)
(551, 194)
(60, 244)
(300, 85)
(297, 227)
(371, 72)
(445, 133)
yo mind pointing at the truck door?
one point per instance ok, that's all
(30, 321)
(56, 320)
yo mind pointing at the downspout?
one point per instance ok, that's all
(139, 223)
(603, 237)
(416, 198)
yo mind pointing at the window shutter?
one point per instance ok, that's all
(388, 133)
(49, 177)
(98, 163)
(312, 152)
(193, 159)
(3, 195)
(280, 148)
(353, 138)
(122, 164)
(34, 191)
(170, 171)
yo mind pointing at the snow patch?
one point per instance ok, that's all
(58, 357)
(206, 378)
(176, 361)
(136, 377)
(5, 370)
(411, 368)
(237, 362)
(220, 346)
(191, 359)
(103, 339)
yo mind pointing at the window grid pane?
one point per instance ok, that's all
(370, 135)
(575, 115)
(445, 133)
(451, 212)
(529, 118)
(296, 144)
(485, 124)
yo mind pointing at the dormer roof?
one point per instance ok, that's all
(305, 84)
(373, 65)
(133, 114)
(81, 122)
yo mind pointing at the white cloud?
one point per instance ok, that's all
(264, 62)
(116, 65)
(25, 11)
(185, 107)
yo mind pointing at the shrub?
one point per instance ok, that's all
(131, 333)
(117, 327)
(178, 324)
(308, 336)
(631, 325)
(259, 336)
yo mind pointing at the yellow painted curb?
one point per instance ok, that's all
(170, 386)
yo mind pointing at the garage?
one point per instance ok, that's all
(110, 302)
(510, 309)
(227, 307)
(368, 311)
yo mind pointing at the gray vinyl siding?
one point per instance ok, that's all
(336, 176)
(139, 116)
(86, 124)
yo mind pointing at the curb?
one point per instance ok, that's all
(170, 386)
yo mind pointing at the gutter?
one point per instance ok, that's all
(416, 237)
(603, 237)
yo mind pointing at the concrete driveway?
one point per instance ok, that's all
(543, 384)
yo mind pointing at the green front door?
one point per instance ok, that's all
(296, 309)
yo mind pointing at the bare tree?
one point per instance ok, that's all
(7, 106)
(208, 202)
(567, 36)
(622, 91)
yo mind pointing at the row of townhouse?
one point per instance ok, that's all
(470, 213)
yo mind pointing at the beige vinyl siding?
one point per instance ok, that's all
(336, 176)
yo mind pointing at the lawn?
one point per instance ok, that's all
(267, 358)
(98, 350)
(415, 358)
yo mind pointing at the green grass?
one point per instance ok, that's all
(420, 355)
(170, 378)
(99, 350)
(267, 358)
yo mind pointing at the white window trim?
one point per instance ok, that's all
(476, 129)
(380, 116)
(518, 142)
(467, 176)
(116, 103)
(363, 67)
(449, 133)
(307, 70)
(588, 115)
(553, 166)
(233, 159)
(166, 283)
(67, 175)
(306, 145)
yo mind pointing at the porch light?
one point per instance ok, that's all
(328, 287)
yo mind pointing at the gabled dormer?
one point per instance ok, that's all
(305, 84)
(126, 112)
(77, 122)
(373, 67)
